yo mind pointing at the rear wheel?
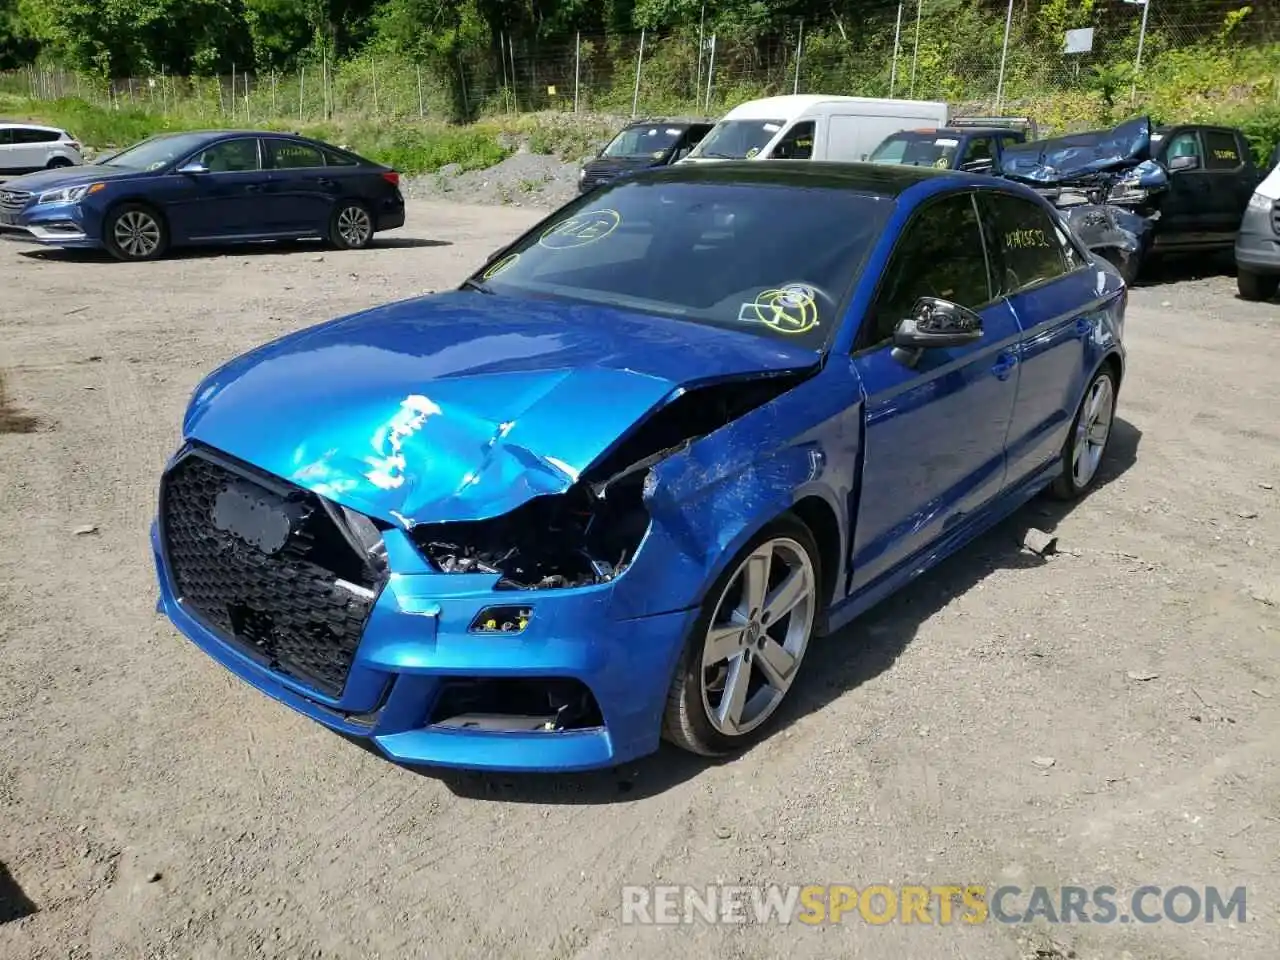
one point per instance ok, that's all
(135, 231)
(352, 226)
(1256, 286)
(58, 162)
(1090, 433)
(745, 649)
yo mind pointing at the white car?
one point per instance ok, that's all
(25, 148)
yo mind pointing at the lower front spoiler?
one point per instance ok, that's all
(46, 236)
(398, 726)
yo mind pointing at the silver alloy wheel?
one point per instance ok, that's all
(758, 636)
(1092, 431)
(137, 233)
(354, 226)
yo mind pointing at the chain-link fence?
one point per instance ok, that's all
(961, 59)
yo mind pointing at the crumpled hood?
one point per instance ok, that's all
(68, 177)
(460, 406)
(1064, 158)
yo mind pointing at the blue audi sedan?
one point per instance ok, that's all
(209, 188)
(610, 489)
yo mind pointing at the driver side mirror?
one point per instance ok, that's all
(1184, 163)
(193, 169)
(937, 323)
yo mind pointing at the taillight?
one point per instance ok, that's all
(73, 144)
(392, 178)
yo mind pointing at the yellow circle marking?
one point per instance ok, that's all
(503, 264)
(941, 163)
(580, 229)
(790, 310)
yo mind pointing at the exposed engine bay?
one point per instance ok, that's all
(590, 533)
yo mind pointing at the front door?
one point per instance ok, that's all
(227, 202)
(1186, 209)
(935, 435)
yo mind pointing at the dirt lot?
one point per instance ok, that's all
(153, 806)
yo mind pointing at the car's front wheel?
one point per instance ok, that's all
(746, 647)
(134, 231)
(352, 226)
(1256, 286)
(1090, 433)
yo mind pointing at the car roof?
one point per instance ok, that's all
(669, 122)
(957, 132)
(793, 104)
(13, 125)
(884, 180)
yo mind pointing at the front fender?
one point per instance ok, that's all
(708, 501)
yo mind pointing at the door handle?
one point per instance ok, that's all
(253, 187)
(1084, 326)
(326, 182)
(1004, 365)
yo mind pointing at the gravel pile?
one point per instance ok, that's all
(522, 180)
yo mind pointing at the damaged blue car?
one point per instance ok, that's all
(610, 489)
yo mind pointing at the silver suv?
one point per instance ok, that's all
(25, 148)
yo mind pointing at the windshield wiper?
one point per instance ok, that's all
(718, 156)
(478, 286)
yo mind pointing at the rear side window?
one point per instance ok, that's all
(335, 158)
(1034, 248)
(1222, 149)
(289, 155)
(6, 136)
(28, 135)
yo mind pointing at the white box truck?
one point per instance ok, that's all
(812, 127)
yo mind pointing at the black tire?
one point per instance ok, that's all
(1069, 486)
(1256, 286)
(58, 162)
(140, 221)
(685, 722)
(351, 226)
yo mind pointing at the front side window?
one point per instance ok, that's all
(797, 144)
(645, 141)
(1031, 243)
(762, 258)
(738, 139)
(1185, 144)
(231, 156)
(940, 254)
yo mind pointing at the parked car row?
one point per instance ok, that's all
(204, 188)
(1136, 192)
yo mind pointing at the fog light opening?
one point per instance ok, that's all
(501, 620)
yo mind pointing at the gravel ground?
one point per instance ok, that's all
(1109, 715)
(524, 179)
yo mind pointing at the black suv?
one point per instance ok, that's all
(642, 144)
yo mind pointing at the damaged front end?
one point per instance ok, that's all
(590, 533)
(1105, 184)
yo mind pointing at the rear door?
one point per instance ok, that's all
(1233, 179)
(30, 150)
(1049, 285)
(305, 186)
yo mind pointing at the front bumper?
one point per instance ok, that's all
(51, 224)
(1257, 244)
(417, 641)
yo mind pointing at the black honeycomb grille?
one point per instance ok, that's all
(278, 598)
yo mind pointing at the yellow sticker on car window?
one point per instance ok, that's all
(1026, 239)
(1224, 154)
(751, 154)
(791, 309)
(941, 163)
(580, 229)
(497, 268)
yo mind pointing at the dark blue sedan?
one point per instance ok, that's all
(206, 188)
(610, 489)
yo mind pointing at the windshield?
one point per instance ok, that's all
(157, 152)
(917, 150)
(643, 142)
(737, 139)
(765, 258)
